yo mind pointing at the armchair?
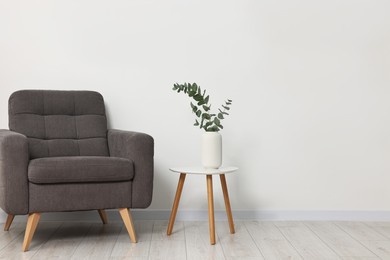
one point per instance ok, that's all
(59, 156)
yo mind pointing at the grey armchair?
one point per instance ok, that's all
(59, 156)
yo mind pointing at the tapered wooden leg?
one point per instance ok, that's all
(103, 216)
(8, 223)
(211, 208)
(32, 224)
(176, 203)
(227, 203)
(127, 219)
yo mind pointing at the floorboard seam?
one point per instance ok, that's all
(281, 232)
(356, 239)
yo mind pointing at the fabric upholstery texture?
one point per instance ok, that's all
(59, 156)
(60, 123)
(138, 147)
(79, 196)
(78, 169)
(13, 172)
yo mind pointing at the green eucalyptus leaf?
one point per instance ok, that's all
(208, 121)
(208, 124)
(206, 116)
(198, 97)
(194, 108)
(215, 128)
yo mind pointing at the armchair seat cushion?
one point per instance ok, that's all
(80, 169)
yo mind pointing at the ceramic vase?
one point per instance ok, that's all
(211, 150)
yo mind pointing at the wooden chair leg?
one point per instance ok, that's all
(32, 224)
(126, 217)
(103, 216)
(8, 223)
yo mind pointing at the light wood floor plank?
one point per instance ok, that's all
(64, 242)
(264, 230)
(360, 231)
(14, 249)
(124, 248)
(167, 250)
(167, 247)
(270, 241)
(246, 258)
(380, 248)
(308, 245)
(381, 227)
(239, 244)
(190, 240)
(198, 242)
(359, 258)
(160, 231)
(98, 242)
(337, 239)
(7, 237)
(129, 258)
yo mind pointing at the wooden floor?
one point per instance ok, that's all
(190, 240)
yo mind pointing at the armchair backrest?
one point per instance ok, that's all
(60, 123)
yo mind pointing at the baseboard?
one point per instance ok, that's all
(193, 215)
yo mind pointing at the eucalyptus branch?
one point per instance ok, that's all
(202, 109)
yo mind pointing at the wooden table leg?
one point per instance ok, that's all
(227, 203)
(211, 208)
(176, 203)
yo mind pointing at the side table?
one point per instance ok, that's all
(209, 177)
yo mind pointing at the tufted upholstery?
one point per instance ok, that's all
(59, 156)
(60, 123)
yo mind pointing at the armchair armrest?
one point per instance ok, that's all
(14, 159)
(139, 148)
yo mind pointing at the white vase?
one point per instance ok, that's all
(211, 150)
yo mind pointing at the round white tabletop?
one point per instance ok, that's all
(204, 171)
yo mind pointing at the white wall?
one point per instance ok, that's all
(310, 81)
